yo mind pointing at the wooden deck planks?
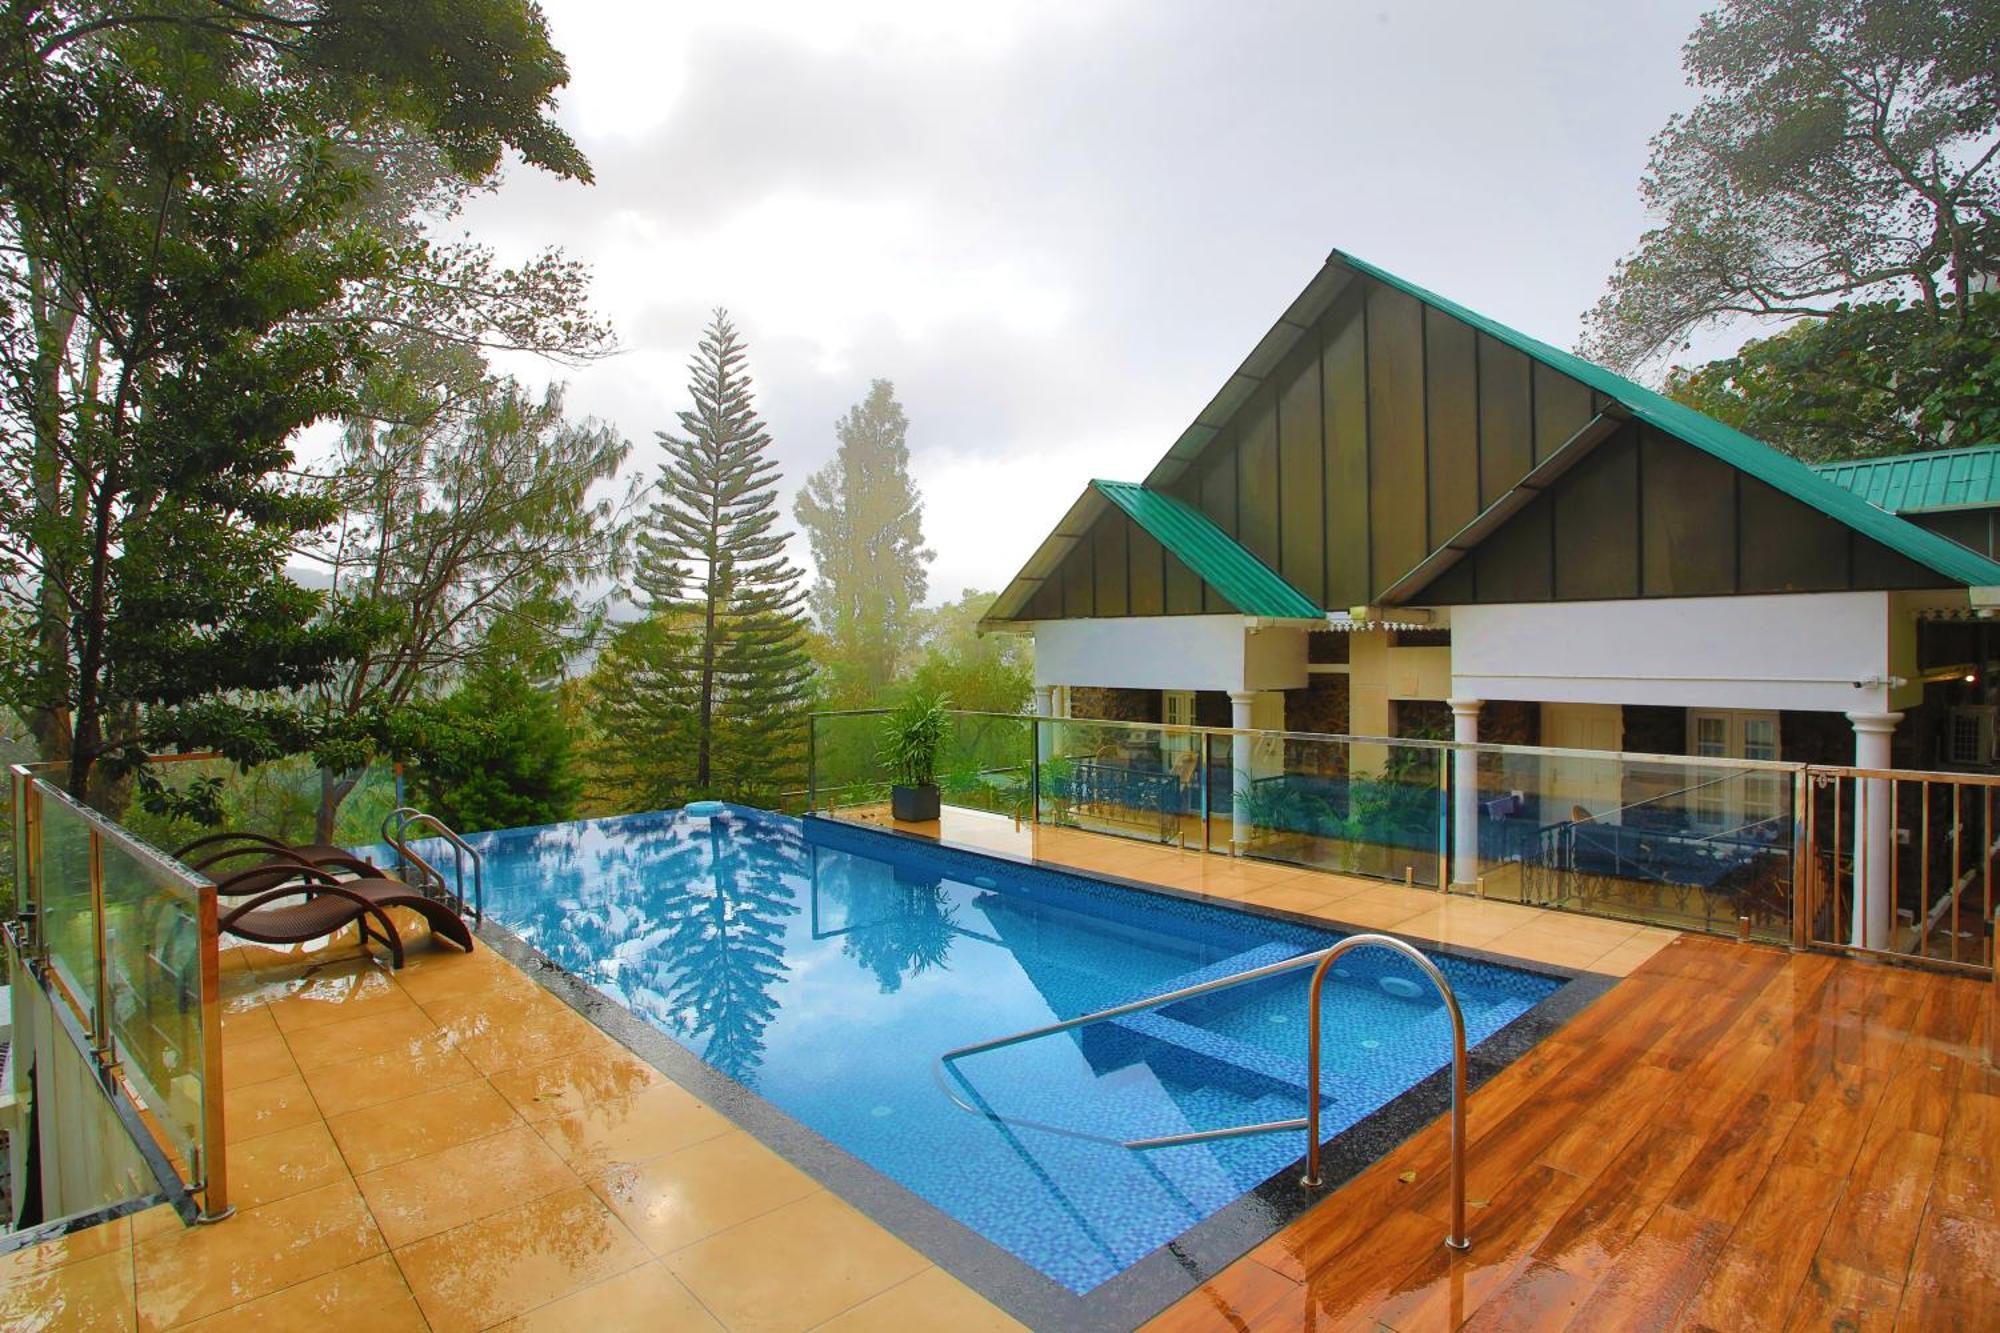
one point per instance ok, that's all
(1734, 1137)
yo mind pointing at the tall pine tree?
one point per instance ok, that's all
(726, 701)
(865, 521)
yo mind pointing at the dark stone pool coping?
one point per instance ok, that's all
(1159, 1279)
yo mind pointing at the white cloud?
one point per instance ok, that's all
(630, 65)
(822, 270)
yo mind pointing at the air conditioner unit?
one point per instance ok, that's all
(1969, 735)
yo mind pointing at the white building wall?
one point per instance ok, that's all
(1803, 651)
(1169, 653)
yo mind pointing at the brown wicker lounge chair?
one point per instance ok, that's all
(368, 894)
(266, 869)
(218, 847)
(331, 908)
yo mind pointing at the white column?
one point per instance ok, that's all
(1874, 831)
(1239, 765)
(1465, 793)
(1045, 706)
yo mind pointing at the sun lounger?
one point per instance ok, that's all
(368, 892)
(216, 848)
(331, 907)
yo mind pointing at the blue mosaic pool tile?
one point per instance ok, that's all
(827, 967)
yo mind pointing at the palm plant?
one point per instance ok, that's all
(912, 736)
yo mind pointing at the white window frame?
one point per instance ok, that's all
(1741, 800)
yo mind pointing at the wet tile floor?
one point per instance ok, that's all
(451, 1147)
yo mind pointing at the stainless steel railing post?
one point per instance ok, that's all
(405, 817)
(1034, 769)
(214, 1165)
(1456, 1239)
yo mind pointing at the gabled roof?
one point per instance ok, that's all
(1219, 560)
(1187, 534)
(1924, 483)
(1939, 554)
(1494, 517)
(1264, 359)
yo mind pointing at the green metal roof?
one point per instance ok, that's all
(1936, 553)
(1244, 581)
(1923, 483)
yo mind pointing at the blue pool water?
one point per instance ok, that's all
(826, 967)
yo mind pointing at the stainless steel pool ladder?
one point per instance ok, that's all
(396, 826)
(1320, 961)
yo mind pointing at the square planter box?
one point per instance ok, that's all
(914, 805)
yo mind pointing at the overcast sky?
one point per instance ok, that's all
(1058, 226)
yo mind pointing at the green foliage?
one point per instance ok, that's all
(1279, 805)
(177, 802)
(912, 736)
(473, 531)
(987, 762)
(709, 698)
(864, 520)
(642, 708)
(1058, 788)
(187, 224)
(510, 766)
(991, 673)
(1883, 378)
(1841, 149)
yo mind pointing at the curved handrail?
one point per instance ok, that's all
(406, 817)
(1320, 961)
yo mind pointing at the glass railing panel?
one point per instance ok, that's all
(847, 768)
(127, 934)
(153, 956)
(1360, 807)
(1672, 842)
(1130, 780)
(88, 1159)
(988, 763)
(63, 876)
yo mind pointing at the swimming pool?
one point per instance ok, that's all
(826, 967)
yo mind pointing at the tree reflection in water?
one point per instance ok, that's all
(683, 920)
(724, 943)
(895, 929)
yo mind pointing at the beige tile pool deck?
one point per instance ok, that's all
(452, 1147)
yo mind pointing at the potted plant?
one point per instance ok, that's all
(910, 743)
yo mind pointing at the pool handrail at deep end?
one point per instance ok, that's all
(1321, 961)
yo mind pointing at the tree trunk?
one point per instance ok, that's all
(334, 788)
(707, 686)
(48, 715)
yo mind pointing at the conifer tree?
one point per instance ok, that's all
(712, 567)
(865, 521)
